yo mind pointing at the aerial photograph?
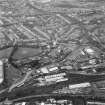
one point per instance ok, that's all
(52, 52)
